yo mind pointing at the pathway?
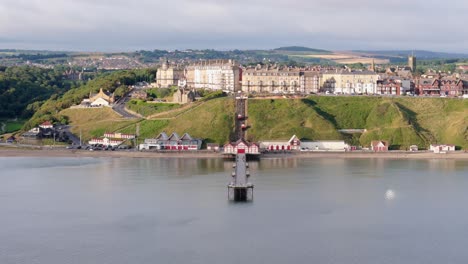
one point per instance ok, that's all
(178, 111)
(119, 107)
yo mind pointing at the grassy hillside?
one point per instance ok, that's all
(147, 109)
(111, 81)
(386, 121)
(94, 122)
(213, 121)
(440, 120)
(280, 119)
(401, 121)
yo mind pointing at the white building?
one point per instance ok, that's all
(296, 144)
(105, 141)
(100, 102)
(119, 135)
(246, 147)
(172, 142)
(281, 145)
(441, 148)
(46, 125)
(350, 82)
(331, 145)
(214, 74)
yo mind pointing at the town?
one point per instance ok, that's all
(229, 76)
(261, 81)
(189, 84)
(205, 131)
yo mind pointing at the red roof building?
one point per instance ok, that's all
(46, 124)
(379, 146)
(234, 147)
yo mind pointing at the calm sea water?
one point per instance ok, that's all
(85, 210)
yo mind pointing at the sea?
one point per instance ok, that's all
(176, 210)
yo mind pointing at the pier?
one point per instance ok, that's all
(240, 189)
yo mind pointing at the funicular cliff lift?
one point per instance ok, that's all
(240, 189)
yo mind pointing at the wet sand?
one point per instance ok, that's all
(62, 152)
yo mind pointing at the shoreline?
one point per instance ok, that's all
(62, 152)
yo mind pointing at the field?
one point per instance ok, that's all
(9, 126)
(345, 58)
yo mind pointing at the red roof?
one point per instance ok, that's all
(374, 143)
(46, 123)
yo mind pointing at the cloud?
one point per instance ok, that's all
(225, 24)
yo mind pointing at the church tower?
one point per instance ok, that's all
(412, 62)
(165, 65)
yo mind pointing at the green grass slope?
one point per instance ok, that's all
(282, 118)
(147, 109)
(401, 121)
(344, 112)
(387, 122)
(212, 121)
(94, 122)
(440, 120)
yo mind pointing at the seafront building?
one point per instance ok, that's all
(294, 144)
(207, 74)
(441, 148)
(232, 148)
(168, 75)
(111, 139)
(213, 74)
(172, 142)
(350, 82)
(395, 86)
(451, 86)
(228, 75)
(271, 79)
(277, 79)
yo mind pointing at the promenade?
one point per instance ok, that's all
(56, 152)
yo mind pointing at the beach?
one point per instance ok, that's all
(62, 152)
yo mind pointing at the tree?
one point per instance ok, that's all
(121, 91)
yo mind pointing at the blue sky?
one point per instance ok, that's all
(117, 25)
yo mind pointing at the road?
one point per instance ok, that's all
(119, 105)
(71, 136)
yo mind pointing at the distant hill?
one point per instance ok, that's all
(301, 49)
(421, 54)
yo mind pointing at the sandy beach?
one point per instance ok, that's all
(62, 152)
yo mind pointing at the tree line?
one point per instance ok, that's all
(116, 82)
(22, 89)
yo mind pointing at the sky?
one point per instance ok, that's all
(118, 25)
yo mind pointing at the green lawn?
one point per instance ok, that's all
(11, 126)
(146, 109)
